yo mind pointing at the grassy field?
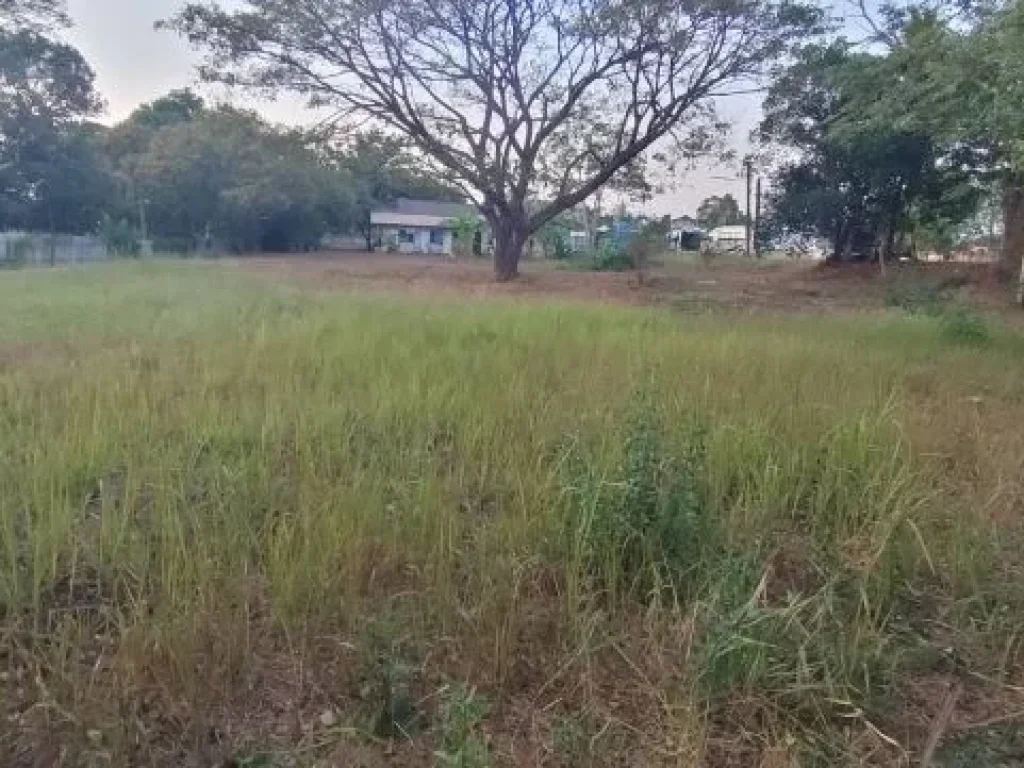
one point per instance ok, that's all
(243, 525)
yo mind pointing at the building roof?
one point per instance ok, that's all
(420, 213)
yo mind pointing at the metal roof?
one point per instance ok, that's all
(408, 207)
(392, 219)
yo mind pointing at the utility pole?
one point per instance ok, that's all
(748, 167)
(757, 221)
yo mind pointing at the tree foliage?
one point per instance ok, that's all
(865, 185)
(910, 135)
(35, 15)
(50, 173)
(719, 212)
(225, 176)
(518, 99)
(960, 80)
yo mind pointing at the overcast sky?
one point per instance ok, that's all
(134, 64)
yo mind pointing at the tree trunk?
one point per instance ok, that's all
(508, 251)
(509, 239)
(1013, 234)
(885, 248)
(888, 251)
(840, 243)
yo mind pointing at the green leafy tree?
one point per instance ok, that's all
(719, 212)
(35, 15)
(74, 183)
(865, 187)
(465, 230)
(50, 172)
(228, 177)
(958, 77)
(131, 138)
(512, 97)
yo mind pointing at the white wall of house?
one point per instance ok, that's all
(418, 239)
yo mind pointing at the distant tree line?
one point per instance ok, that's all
(179, 171)
(192, 175)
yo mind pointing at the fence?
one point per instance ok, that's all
(24, 248)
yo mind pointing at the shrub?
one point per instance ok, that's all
(650, 241)
(610, 258)
(461, 743)
(464, 233)
(648, 523)
(16, 252)
(915, 296)
(556, 242)
(963, 325)
(176, 245)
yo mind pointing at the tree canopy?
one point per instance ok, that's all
(205, 175)
(719, 212)
(960, 80)
(36, 15)
(223, 175)
(905, 137)
(867, 186)
(519, 100)
(47, 153)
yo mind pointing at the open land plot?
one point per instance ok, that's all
(686, 282)
(243, 523)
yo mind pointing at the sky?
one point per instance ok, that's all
(135, 63)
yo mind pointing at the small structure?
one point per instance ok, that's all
(423, 226)
(685, 234)
(728, 238)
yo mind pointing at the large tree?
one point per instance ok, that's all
(513, 97)
(47, 155)
(864, 185)
(954, 72)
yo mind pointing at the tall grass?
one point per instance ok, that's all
(192, 462)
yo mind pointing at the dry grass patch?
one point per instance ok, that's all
(250, 527)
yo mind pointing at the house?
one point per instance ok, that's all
(422, 226)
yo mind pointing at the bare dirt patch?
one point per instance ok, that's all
(735, 285)
(427, 276)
